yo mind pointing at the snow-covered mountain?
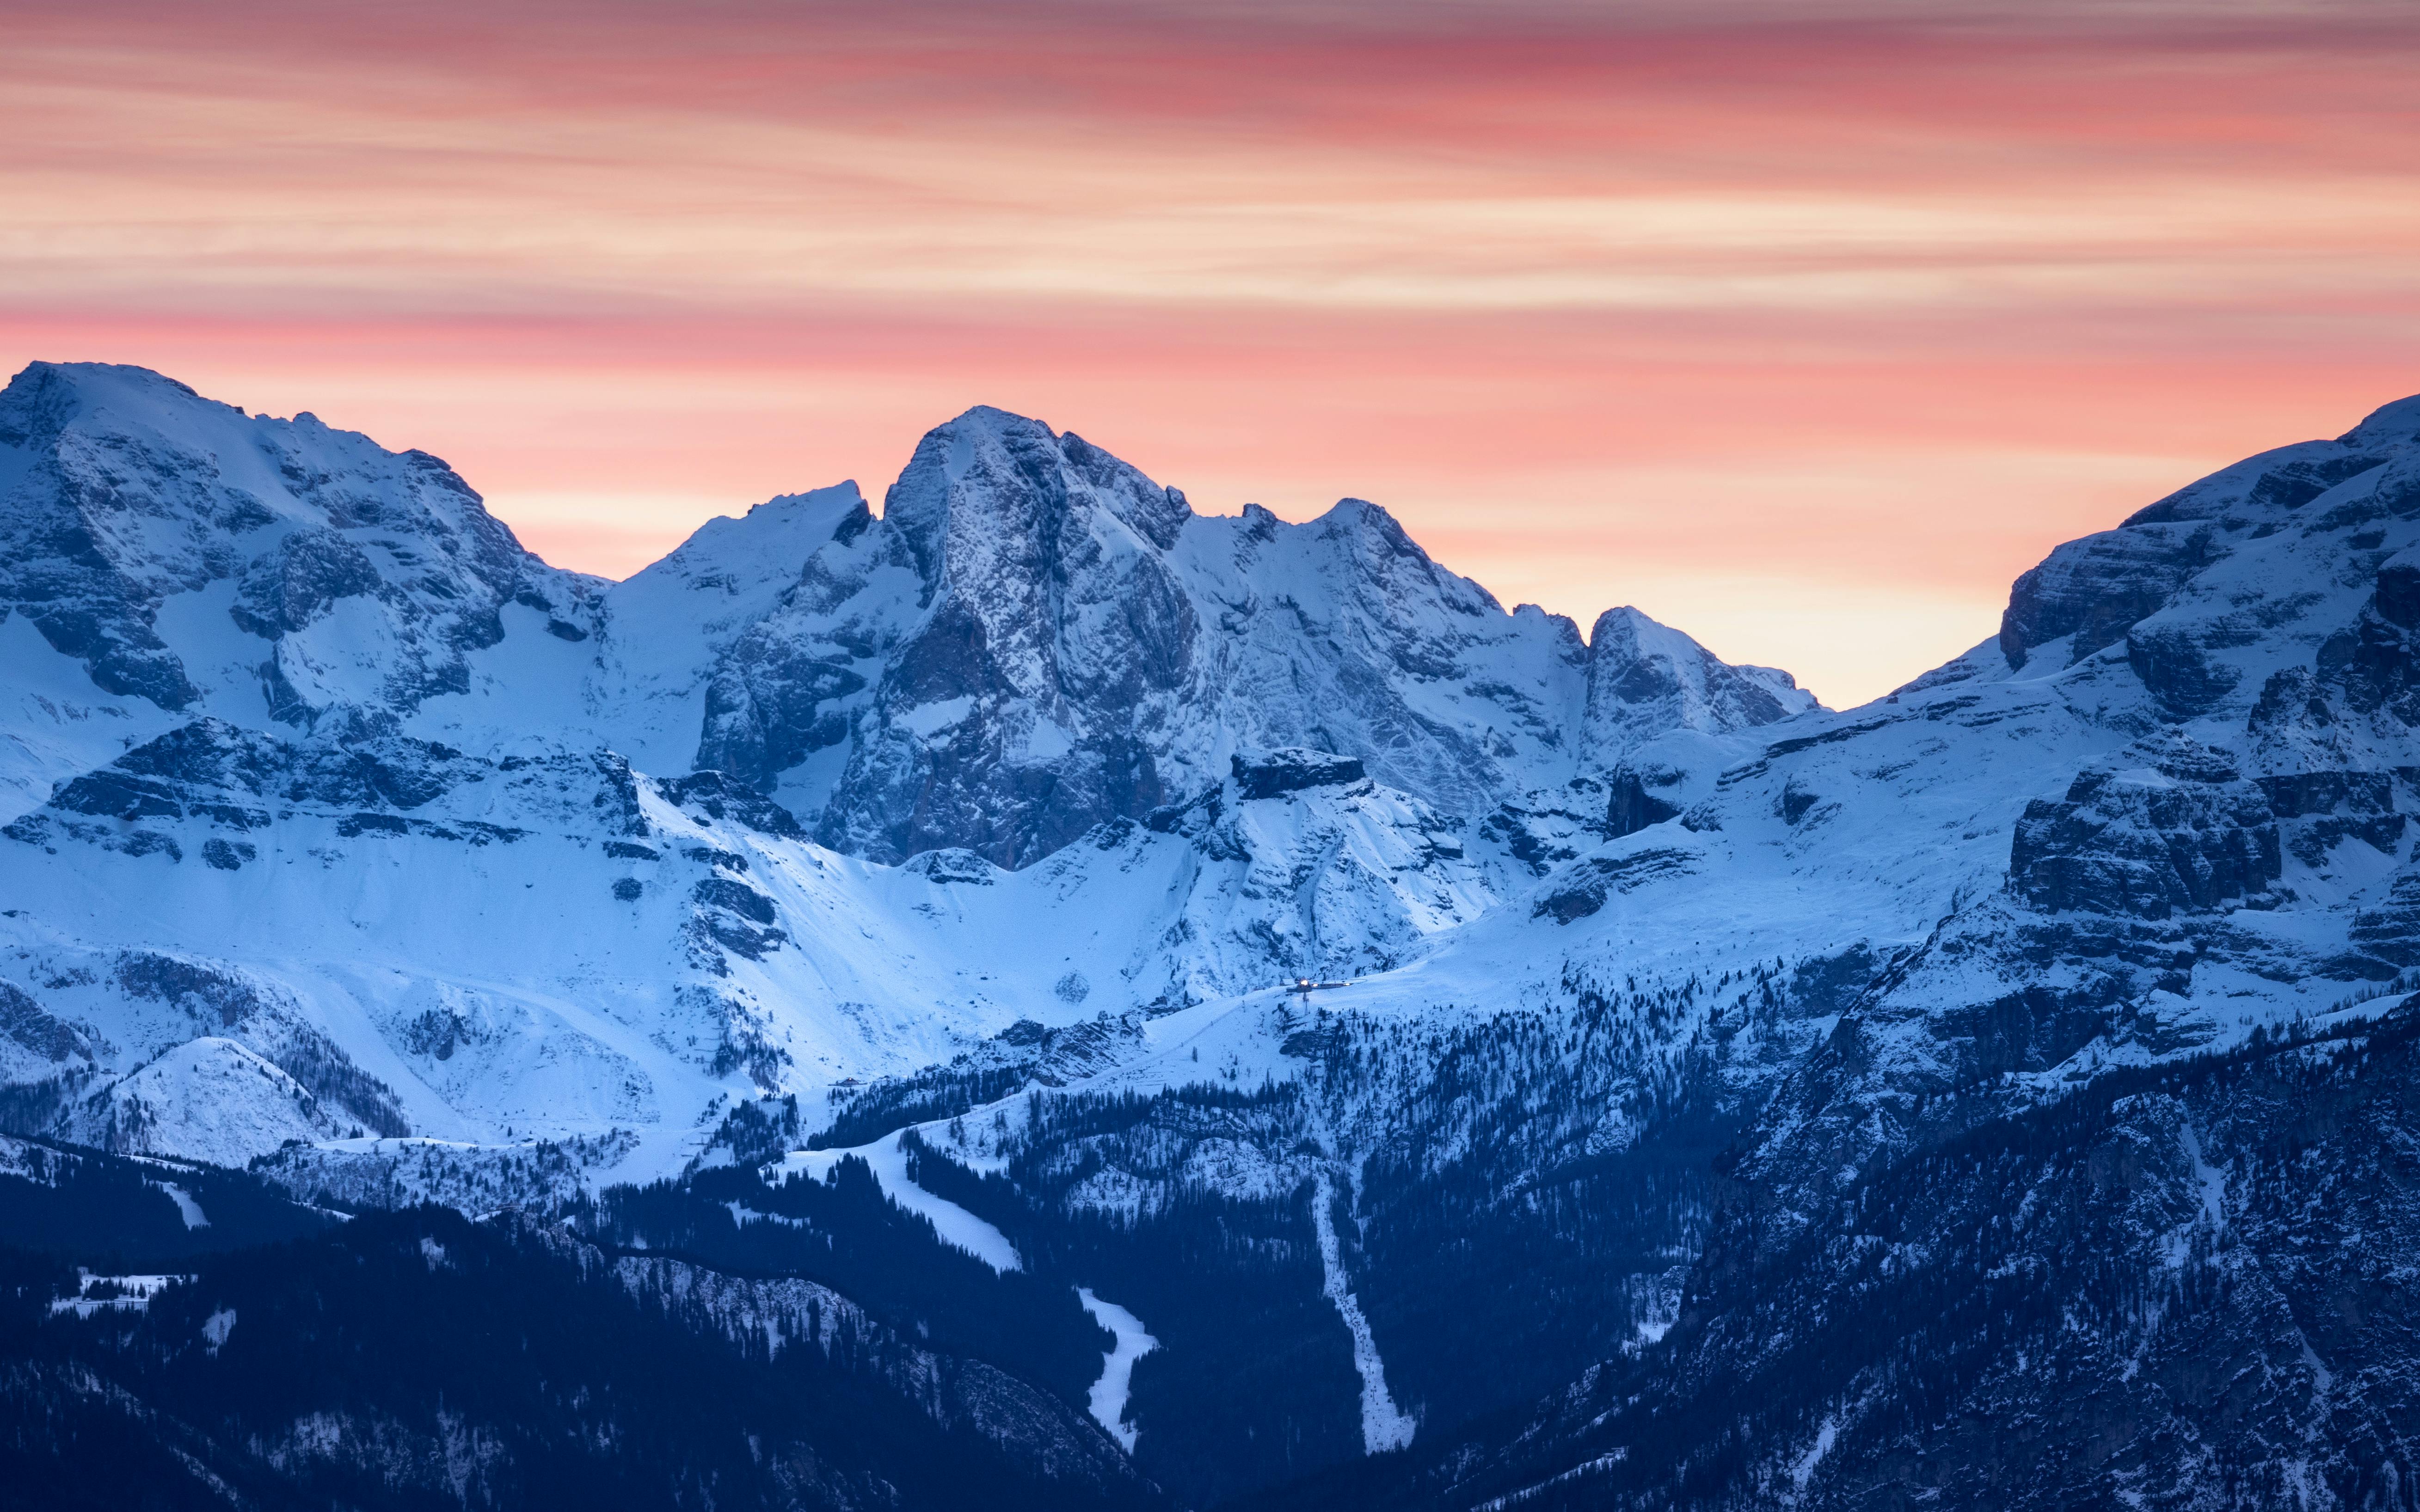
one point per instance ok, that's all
(1035, 638)
(336, 814)
(977, 837)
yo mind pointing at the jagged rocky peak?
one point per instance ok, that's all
(1014, 705)
(1647, 679)
(731, 653)
(1031, 639)
(737, 569)
(2277, 520)
(140, 522)
(991, 491)
(1083, 647)
(1899, 950)
(1087, 648)
(1662, 716)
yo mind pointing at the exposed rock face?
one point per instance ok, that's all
(1632, 804)
(1646, 679)
(1035, 638)
(2373, 665)
(1586, 887)
(773, 705)
(2090, 593)
(335, 670)
(733, 654)
(1091, 650)
(1302, 866)
(41, 1040)
(2305, 547)
(2390, 932)
(2319, 809)
(359, 579)
(1267, 774)
(2179, 784)
(2185, 835)
(1650, 1009)
(1054, 637)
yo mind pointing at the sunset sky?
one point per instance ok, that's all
(1802, 326)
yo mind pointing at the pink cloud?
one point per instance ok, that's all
(1641, 309)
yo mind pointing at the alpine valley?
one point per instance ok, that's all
(1038, 998)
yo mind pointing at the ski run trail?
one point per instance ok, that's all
(1117, 1367)
(1384, 1426)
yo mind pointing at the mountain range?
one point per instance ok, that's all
(1040, 988)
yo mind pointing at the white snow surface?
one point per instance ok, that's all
(470, 941)
(957, 1228)
(425, 867)
(137, 1292)
(1804, 1470)
(1109, 1395)
(187, 1208)
(1384, 1426)
(54, 724)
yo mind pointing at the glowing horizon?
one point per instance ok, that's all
(1803, 335)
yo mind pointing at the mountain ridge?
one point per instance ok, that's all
(348, 646)
(1638, 979)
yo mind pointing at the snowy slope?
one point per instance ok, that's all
(1063, 751)
(2181, 826)
(336, 829)
(332, 810)
(260, 569)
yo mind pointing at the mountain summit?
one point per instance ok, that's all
(1208, 1008)
(245, 648)
(1032, 638)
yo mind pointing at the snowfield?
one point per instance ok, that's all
(956, 1225)
(343, 838)
(1117, 1367)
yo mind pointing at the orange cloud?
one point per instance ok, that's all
(1806, 337)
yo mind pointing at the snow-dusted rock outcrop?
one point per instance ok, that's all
(1034, 638)
(1016, 813)
(2170, 804)
(189, 555)
(496, 848)
(1646, 680)
(1829, 946)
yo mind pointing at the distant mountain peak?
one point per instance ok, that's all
(2389, 425)
(1583, 1067)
